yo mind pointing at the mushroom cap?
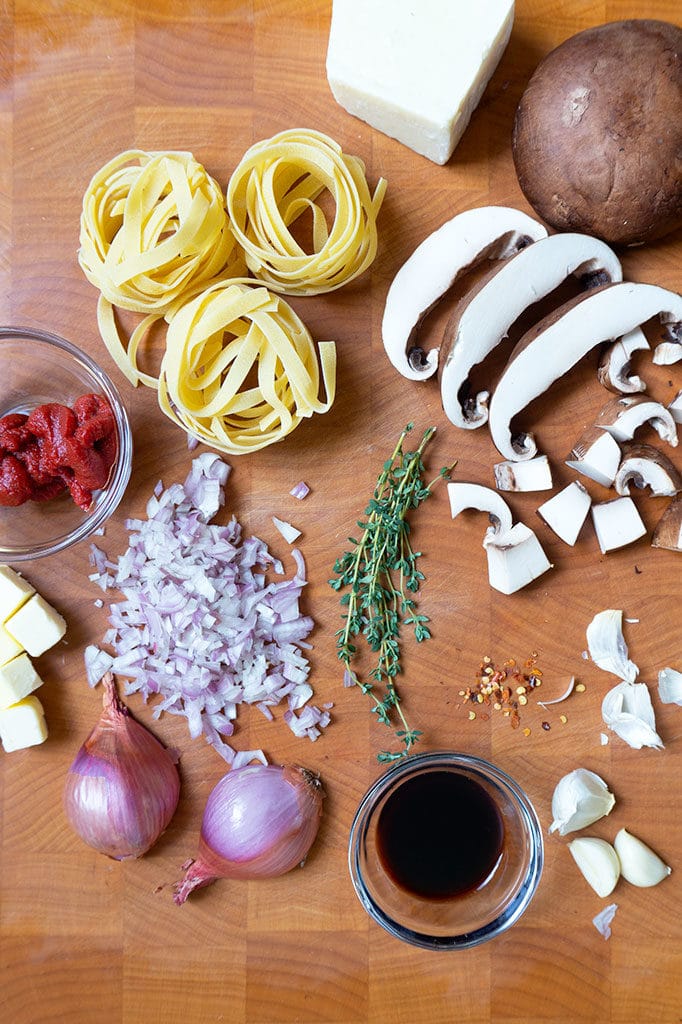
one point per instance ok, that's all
(597, 139)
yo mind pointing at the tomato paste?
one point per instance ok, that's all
(56, 448)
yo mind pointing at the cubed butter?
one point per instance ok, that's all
(416, 69)
(9, 648)
(14, 591)
(18, 678)
(37, 626)
(23, 725)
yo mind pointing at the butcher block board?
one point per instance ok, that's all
(86, 940)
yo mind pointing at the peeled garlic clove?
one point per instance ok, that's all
(627, 710)
(607, 645)
(639, 864)
(580, 798)
(598, 863)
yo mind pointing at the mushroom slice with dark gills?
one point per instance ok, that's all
(484, 316)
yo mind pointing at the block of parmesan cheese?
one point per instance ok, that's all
(416, 69)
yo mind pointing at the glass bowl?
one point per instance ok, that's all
(445, 851)
(35, 368)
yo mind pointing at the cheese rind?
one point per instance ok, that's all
(14, 591)
(37, 626)
(23, 725)
(18, 678)
(416, 69)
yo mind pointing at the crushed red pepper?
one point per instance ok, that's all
(56, 448)
(504, 688)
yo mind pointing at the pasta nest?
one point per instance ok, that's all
(154, 227)
(278, 180)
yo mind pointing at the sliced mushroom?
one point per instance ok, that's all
(617, 523)
(675, 408)
(614, 368)
(621, 417)
(668, 532)
(645, 466)
(487, 232)
(596, 455)
(465, 496)
(566, 511)
(483, 318)
(515, 559)
(560, 340)
(534, 475)
(670, 350)
(515, 556)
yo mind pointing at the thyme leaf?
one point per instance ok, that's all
(379, 575)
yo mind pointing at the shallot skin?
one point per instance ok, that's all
(284, 808)
(123, 786)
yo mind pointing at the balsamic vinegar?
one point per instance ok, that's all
(439, 835)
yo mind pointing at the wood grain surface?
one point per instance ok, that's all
(85, 940)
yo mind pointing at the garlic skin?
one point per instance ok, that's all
(670, 686)
(598, 863)
(607, 646)
(627, 710)
(639, 864)
(580, 798)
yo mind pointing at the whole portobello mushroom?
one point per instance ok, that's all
(597, 139)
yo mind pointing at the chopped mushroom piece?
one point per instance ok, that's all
(617, 523)
(670, 350)
(668, 532)
(515, 559)
(596, 455)
(644, 466)
(484, 316)
(534, 475)
(566, 511)
(621, 417)
(614, 367)
(487, 232)
(515, 556)
(560, 340)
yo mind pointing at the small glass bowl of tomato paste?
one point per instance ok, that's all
(65, 445)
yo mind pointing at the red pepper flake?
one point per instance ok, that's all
(546, 726)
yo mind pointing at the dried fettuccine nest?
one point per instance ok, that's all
(240, 369)
(154, 228)
(277, 181)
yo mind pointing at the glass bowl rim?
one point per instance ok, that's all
(528, 814)
(123, 466)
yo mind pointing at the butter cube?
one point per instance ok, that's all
(23, 725)
(37, 626)
(14, 591)
(9, 648)
(18, 678)
(416, 69)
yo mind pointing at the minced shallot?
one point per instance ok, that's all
(199, 625)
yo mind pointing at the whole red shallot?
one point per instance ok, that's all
(123, 786)
(259, 822)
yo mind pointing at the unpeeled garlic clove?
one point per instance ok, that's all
(580, 798)
(598, 863)
(638, 863)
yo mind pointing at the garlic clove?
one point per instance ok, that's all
(670, 686)
(607, 646)
(639, 864)
(627, 710)
(580, 798)
(598, 863)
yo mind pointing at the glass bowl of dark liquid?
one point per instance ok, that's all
(445, 851)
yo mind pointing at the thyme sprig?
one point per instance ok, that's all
(380, 577)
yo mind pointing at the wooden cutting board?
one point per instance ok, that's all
(85, 939)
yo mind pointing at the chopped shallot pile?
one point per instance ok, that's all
(199, 625)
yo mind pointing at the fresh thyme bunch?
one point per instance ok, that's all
(380, 576)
